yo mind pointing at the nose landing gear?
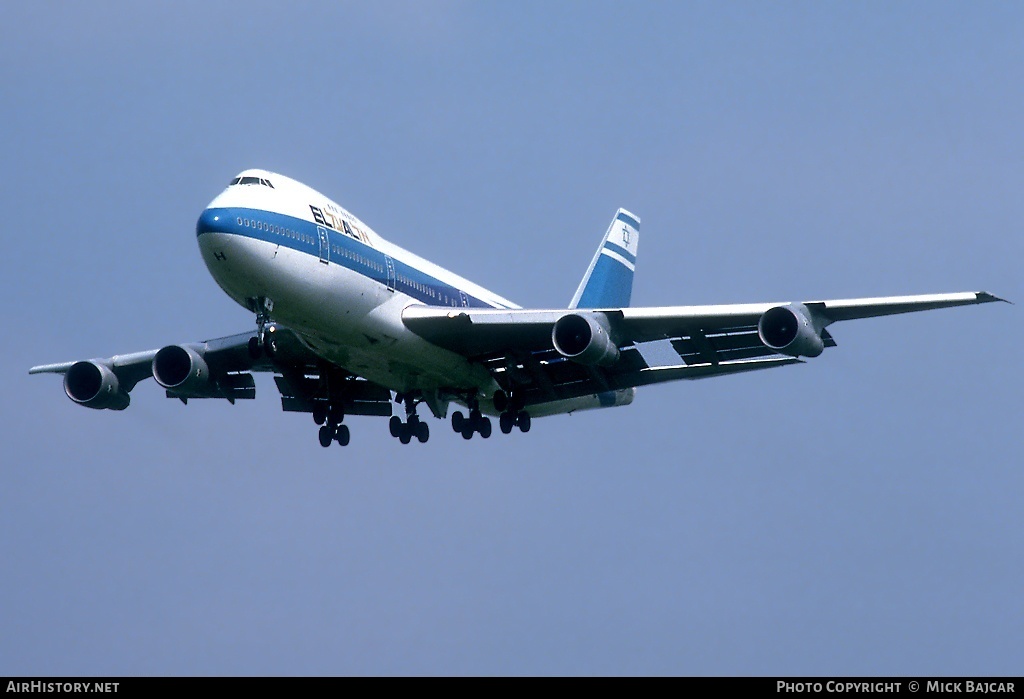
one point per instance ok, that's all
(263, 342)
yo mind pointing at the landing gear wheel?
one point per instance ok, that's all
(474, 417)
(484, 427)
(405, 435)
(467, 431)
(320, 414)
(523, 420)
(458, 421)
(255, 351)
(326, 436)
(422, 432)
(506, 421)
(343, 435)
(395, 425)
(269, 346)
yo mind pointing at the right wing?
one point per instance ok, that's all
(474, 333)
(518, 347)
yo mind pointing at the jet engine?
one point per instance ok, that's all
(585, 339)
(182, 370)
(791, 330)
(95, 385)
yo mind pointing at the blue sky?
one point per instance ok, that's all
(856, 515)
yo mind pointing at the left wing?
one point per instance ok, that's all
(562, 353)
(223, 368)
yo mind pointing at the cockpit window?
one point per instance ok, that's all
(252, 180)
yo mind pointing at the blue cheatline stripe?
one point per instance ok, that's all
(606, 399)
(609, 245)
(301, 235)
(610, 285)
(626, 218)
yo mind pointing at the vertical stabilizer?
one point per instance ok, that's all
(608, 282)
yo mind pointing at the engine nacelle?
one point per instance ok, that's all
(791, 330)
(95, 385)
(584, 339)
(182, 370)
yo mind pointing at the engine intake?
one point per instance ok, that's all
(95, 385)
(791, 330)
(584, 339)
(182, 370)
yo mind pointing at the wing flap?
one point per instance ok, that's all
(580, 384)
(301, 405)
(232, 387)
(702, 371)
(301, 393)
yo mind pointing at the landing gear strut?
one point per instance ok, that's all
(263, 342)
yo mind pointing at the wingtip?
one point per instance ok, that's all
(985, 297)
(50, 368)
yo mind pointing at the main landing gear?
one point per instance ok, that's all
(413, 426)
(512, 416)
(476, 422)
(512, 413)
(329, 416)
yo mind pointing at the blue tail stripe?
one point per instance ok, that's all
(626, 254)
(610, 285)
(627, 219)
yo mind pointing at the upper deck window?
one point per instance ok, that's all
(251, 180)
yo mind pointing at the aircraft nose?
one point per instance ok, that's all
(212, 221)
(214, 231)
(230, 248)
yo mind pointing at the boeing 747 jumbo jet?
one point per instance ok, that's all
(349, 324)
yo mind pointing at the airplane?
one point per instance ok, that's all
(351, 324)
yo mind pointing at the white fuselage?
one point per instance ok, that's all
(342, 288)
(336, 282)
